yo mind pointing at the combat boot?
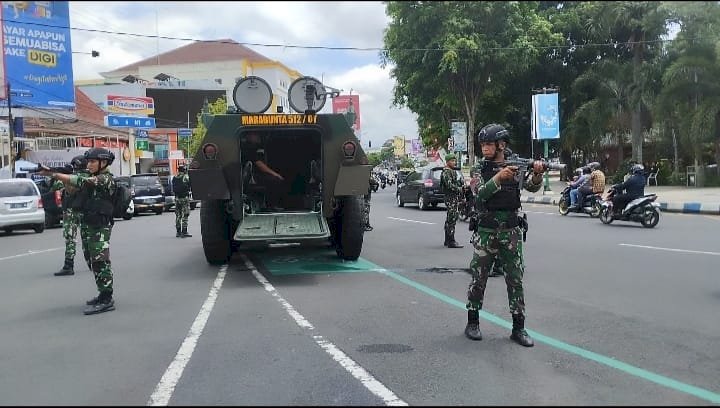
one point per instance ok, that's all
(67, 269)
(178, 234)
(103, 304)
(472, 330)
(519, 335)
(185, 233)
(451, 241)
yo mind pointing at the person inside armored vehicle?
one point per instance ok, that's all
(253, 151)
(277, 162)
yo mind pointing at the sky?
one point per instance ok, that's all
(358, 24)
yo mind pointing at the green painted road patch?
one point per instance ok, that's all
(311, 262)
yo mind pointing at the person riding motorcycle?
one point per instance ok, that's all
(576, 185)
(634, 188)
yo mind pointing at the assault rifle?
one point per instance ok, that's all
(525, 165)
(66, 169)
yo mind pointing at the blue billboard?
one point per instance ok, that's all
(546, 116)
(38, 55)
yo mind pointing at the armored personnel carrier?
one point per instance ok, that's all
(279, 177)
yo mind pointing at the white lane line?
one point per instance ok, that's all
(31, 252)
(367, 380)
(671, 249)
(419, 222)
(166, 386)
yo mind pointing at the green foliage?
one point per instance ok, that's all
(405, 162)
(198, 133)
(374, 158)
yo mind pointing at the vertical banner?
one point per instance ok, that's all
(546, 116)
(399, 146)
(348, 105)
(458, 132)
(38, 55)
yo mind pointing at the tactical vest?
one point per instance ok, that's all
(75, 200)
(505, 199)
(98, 209)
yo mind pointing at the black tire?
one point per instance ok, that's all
(650, 218)
(38, 228)
(50, 220)
(596, 209)
(606, 215)
(400, 202)
(422, 203)
(127, 216)
(8, 230)
(349, 229)
(563, 207)
(215, 228)
(160, 211)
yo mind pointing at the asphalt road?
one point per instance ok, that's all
(620, 315)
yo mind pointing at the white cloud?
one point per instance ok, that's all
(335, 24)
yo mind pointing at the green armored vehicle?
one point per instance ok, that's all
(279, 177)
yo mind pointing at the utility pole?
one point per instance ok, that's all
(11, 131)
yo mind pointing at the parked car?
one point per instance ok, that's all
(147, 192)
(52, 202)
(422, 186)
(170, 195)
(21, 206)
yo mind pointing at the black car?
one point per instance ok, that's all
(422, 186)
(147, 192)
(52, 202)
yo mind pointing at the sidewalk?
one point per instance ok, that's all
(680, 199)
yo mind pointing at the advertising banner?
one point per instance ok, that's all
(348, 105)
(458, 133)
(416, 146)
(38, 55)
(130, 105)
(545, 117)
(399, 146)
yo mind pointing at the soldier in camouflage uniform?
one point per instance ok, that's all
(451, 185)
(497, 237)
(71, 205)
(366, 207)
(97, 189)
(181, 187)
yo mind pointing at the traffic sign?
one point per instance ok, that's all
(130, 122)
(141, 145)
(141, 134)
(184, 133)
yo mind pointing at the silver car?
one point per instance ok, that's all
(21, 206)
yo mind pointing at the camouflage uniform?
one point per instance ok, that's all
(500, 246)
(95, 232)
(451, 186)
(182, 209)
(366, 207)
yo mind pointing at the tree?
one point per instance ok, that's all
(447, 56)
(198, 134)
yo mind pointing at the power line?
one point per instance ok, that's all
(323, 47)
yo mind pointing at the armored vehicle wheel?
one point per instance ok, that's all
(349, 229)
(215, 225)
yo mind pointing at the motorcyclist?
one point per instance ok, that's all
(576, 185)
(634, 187)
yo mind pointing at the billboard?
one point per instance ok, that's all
(545, 121)
(399, 146)
(348, 104)
(458, 133)
(180, 107)
(130, 105)
(38, 55)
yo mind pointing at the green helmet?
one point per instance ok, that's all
(450, 156)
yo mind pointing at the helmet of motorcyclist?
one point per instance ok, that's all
(99, 153)
(637, 169)
(594, 165)
(579, 171)
(181, 168)
(79, 162)
(586, 170)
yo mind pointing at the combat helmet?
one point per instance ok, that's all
(79, 162)
(98, 153)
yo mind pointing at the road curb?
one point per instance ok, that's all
(671, 207)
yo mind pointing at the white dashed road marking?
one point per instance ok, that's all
(419, 222)
(671, 249)
(31, 252)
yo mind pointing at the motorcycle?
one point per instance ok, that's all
(643, 210)
(590, 205)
